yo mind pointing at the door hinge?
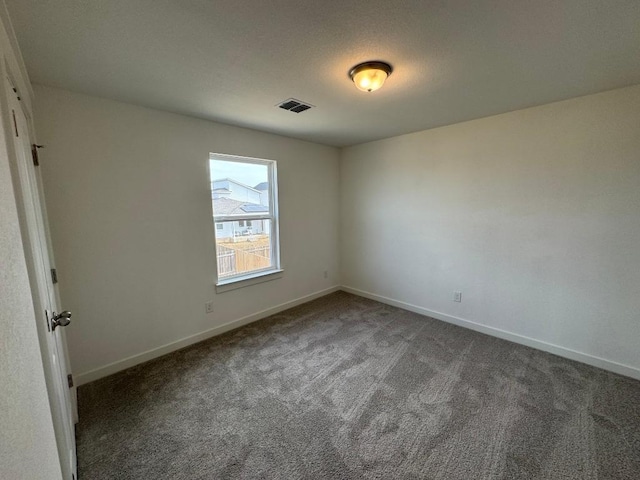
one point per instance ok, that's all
(15, 124)
(70, 380)
(54, 276)
(34, 154)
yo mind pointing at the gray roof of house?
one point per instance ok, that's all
(228, 206)
(262, 186)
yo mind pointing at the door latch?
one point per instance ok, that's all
(60, 320)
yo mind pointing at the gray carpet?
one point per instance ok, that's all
(345, 388)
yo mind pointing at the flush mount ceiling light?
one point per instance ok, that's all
(370, 76)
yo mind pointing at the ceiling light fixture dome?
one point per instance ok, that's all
(370, 76)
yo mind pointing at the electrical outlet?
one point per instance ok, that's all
(208, 307)
(457, 296)
(326, 274)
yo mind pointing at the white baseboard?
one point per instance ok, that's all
(133, 360)
(137, 359)
(513, 337)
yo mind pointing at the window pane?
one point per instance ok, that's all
(241, 190)
(242, 250)
(238, 188)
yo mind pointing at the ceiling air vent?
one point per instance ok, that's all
(294, 105)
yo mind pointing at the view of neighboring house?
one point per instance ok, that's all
(229, 188)
(230, 198)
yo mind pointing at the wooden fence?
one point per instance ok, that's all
(232, 261)
(226, 261)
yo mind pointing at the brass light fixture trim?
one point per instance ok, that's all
(370, 76)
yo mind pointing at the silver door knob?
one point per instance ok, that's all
(62, 319)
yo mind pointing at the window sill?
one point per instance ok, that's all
(248, 280)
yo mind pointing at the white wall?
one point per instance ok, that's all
(27, 439)
(129, 203)
(534, 215)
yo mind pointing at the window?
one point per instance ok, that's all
(245, 211)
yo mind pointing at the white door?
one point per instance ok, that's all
(50, 332)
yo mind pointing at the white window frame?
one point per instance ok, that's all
(275, 270)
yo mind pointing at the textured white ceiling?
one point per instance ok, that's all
(234, 60)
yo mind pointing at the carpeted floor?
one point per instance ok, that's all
(344, 388)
